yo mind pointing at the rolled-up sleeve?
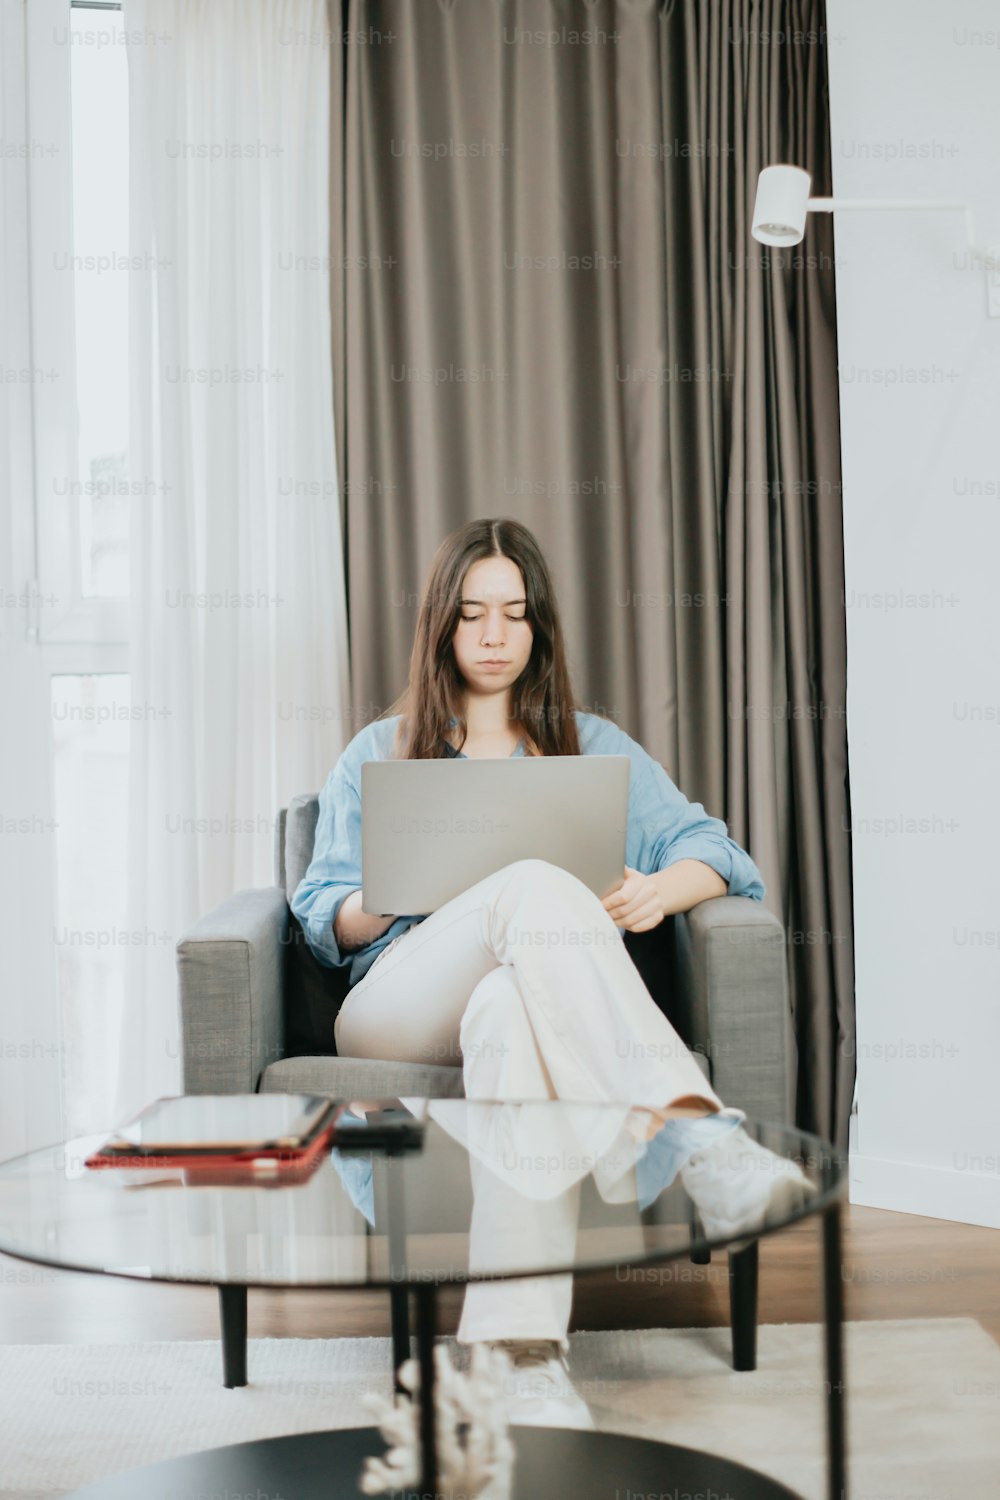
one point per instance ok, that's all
(335, 869)
(664, 827)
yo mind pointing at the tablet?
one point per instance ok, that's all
(224, 1122)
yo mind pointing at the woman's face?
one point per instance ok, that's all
(492, 626)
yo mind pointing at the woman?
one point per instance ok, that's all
(470, 984)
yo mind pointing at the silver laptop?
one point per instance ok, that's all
(432, 828)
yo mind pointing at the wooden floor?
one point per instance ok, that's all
(895, 1266)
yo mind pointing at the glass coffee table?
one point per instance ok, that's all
(493, 1191)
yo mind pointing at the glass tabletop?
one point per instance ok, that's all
(494, 1190)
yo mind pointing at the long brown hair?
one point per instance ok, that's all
(542, 701)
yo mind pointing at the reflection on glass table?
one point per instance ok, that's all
(511, 1198)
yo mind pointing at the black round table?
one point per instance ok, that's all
(411, 1221)
(550, 1461)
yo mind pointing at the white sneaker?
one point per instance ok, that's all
(737, 1185)
(540, 1390)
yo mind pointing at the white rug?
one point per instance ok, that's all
(923, 1421)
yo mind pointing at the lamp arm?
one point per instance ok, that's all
(829, 205)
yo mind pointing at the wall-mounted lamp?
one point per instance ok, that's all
(782, 202)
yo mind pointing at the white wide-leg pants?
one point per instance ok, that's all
(525, 982)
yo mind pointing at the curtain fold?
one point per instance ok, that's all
(238, 624)
(552, 309)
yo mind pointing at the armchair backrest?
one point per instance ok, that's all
(313, 992)
(294, 838)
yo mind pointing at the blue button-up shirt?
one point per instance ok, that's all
(663, 827)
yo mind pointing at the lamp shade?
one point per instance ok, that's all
(779, 212)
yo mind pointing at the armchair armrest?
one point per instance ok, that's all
(230, 969)
(732, 1003)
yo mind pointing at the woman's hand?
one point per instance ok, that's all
(637, 904)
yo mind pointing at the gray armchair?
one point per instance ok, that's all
(257, 1013)
(257, 1010)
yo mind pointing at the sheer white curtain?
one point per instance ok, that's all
(238, 624)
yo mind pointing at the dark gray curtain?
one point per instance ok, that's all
(547, 305)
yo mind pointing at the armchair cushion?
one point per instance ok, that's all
(369, 1078)
(361, 1078)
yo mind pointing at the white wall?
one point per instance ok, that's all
(915, 106)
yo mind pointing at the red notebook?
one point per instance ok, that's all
(263, 1136)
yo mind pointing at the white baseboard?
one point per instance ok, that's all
(934, 1192)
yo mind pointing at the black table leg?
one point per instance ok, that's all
(699, 1256)
(399, 1304)
(389, 1174)
(833, 1307)
(426, 1308)
(743, 1305)
(233, 1316)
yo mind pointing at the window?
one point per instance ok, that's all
(79, 252)
(99, 90)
